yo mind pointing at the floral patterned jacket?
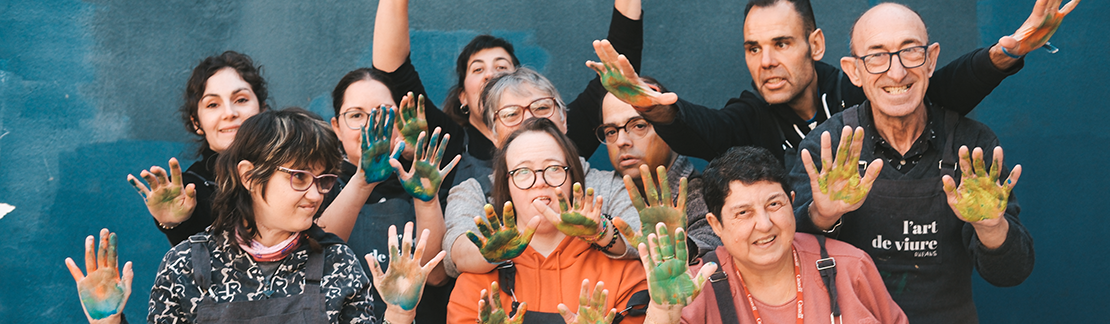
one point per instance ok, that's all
(237, 277)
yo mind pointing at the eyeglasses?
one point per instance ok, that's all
(636, 127)
(909, 57)
(301, 180)
(512, 115)
(356, 118)
(553, 176)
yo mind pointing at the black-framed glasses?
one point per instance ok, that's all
(301, 180)
(525, 178)
(636, 127)
(512, 115)
(357, 118)
(910, 57)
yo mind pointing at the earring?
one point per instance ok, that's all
(465, 109)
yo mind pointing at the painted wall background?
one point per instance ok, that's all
(89, 92)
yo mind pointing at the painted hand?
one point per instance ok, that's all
(980, 197)
(424, 179)
(491, 311)
(411, 121)
(500, 240)
(590, 310)
(618, 76)
(375, 146)
(837, 188)
(103, 294)
(167, 200)
(582, 221)
(658, 209)
(1038, 28)
(403, 283)
(669, 282)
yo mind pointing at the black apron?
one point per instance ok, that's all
(909, 230)
(307, 307)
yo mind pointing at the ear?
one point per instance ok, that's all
(335, 126)
(848, 65)
(244, 168)
(462, 98)
(792, 199)
(934, 53)
(196, 125)
(715, 223)
(817, 44)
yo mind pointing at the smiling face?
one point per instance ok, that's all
(535, 150)
(756, 225)
(898, 92)
(627, 153)
(362, 96)
(280, 210)
(227, 101)
(523, 96)
(780, 54)
(482, 66)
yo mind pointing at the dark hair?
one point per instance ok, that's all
(747, 164)
(802, 7)
(452, 106)
(268, 140)
(500, 190)
(360, 74)
(194, 88)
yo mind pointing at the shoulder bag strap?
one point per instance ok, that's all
(722, 291)
(827, 267)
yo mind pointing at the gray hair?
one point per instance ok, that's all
(513, 81)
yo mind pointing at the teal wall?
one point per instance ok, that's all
(89, 90)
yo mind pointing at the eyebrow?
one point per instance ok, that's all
(518, 165)
(233, 93)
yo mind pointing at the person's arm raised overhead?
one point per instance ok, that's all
(391, 34)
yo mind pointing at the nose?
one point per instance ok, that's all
(230, 110)
(623, 138)
(767, 60)
(763, 221)
(313, 193)
(897, 71)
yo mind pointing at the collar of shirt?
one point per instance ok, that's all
(924, 142)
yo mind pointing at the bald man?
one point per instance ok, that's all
(924, 233)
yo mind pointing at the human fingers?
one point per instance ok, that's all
(102, 253)
(549, 214)
(508, 215)
(949, 185)
(634, 193)
(1012, 180)
(420, 106)
(707, 270)
(421, 244)
(844, 148)
(125, 281)
(680, 252)
(649, 186)
(978, 163)
(576, 191)
(807, 162)
(90, 255)
(996, 163)
(150, 179)
(561, 198)
(646, 258)
(530, 230)
(597, 67)
(494, 221)
(630, 235)
(856, 148)
(682, 191)
(474, 238)
(160, 173)
(450, 166)
(495, 294)
(391, 241)
(666, 245)
(397, 167)
(441, 146)
(871, 174)
(826, 152)
(653, 245)
(590, 202)
(406, 242)
(568, 317)
(112, 260)
(74, 270)
(139, 186)
(175, 171)
(483, 227)
(601, 295)
(965, 162)
(584, 293)
(375, 269)
(434, 261)
(421, 146)
(1068, 7)
(191, 191)
(664, 185)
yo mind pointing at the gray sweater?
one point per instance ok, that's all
(468, 200)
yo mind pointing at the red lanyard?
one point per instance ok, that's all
(797, 280)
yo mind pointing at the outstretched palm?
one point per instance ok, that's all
(375, 146)
(424, 179)
(591, 310)
(166, 199)
(980, 196)
(490, 310)
(838, 188)
(1039, 27)
(658, 208)
(103, 293)
(618, 76)
(411, 120)
(500, 240)
(403, 283)
(665, 263)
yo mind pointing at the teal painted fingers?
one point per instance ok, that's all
(374, 161)
(167, 199)
(402, 285)
(411, 120)
(103, 292)
(491, 311)
(425, 178)
(500, 240)
(664, 260)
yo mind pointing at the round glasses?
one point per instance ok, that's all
(525, 178)
(301, 180)
(357, 119)
(512, 115)
(910, 57)
(636, 127)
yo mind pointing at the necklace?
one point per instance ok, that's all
(797, 281)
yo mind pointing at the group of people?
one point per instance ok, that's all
(879, 217)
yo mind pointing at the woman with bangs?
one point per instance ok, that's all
(534, 173)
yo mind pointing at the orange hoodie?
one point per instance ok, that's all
(545, 282)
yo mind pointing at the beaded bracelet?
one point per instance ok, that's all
(605, 219)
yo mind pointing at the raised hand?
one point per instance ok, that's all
(424, 178)
(167, 200)
(669, 282)
(500, 240)
(618, 76)
(1038, 28)
(583, 220)
(658, 208)
(403, 283)
(411, 121)
(491, 312)
(980, 197)
(374, 162)
(590, 310)
(838, 188)
(103, 294)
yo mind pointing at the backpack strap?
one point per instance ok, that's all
(722, 291)
(827, 267)
(506, 275)
(202, 261)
